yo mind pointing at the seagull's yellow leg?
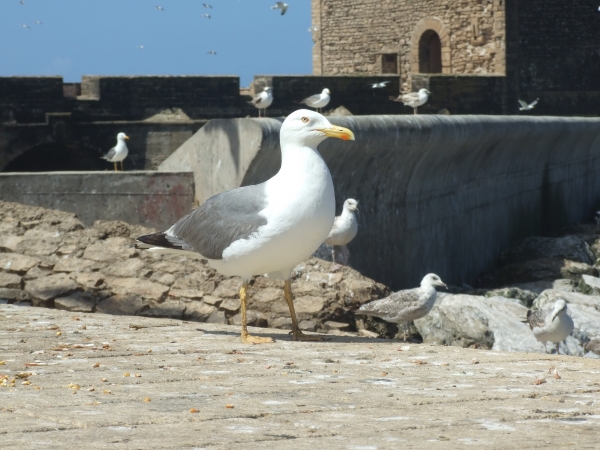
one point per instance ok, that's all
(116, 170)
(298, 334)
(246, 338)
(122, 167)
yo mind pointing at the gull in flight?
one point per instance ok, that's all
(318, 101)
(25, 26)
(119, 152)
(379, 85)
(552, 325)
(403, 307)
(263, 100)
(206, 15)
(141, 47)
(282, 6)
(313, 29)
(212, 52)
(413, 99)
(206, 5)
(266, 228)
(160, 8)
(526, 107)
(38, 22)
(22, 2)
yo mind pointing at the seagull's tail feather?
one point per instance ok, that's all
(157, 240)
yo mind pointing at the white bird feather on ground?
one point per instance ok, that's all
(267, 228)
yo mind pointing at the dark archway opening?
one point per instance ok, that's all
(53, 157)
(430, 53)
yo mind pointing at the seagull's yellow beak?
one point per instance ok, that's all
(338, 132)
(126, 137)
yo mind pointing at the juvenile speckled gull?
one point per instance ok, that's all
(119, 152)
(267, 228)
(343, 231)
(402, 307)
(552, 325)
(263, 100)
(318, 101)
(413, 99)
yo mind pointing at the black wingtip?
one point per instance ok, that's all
(157, 240)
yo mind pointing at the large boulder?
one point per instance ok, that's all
(573, 248)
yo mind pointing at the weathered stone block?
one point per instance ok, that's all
(217, 317)
(198, 311)
(228, 288)
(44, 289)
(170, 308)
(10, 280)
(146, 289)
(77, 302)
(14, 262)
(124, 305)
(69, 264)
(230, 305)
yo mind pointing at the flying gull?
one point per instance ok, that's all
(379, 85)
(552, 325)
(119, 152)
(26, 26)
(318, 101)
(263, 100)
(206, 5)
(282, 6)
(344, 230)
(402, 307)
(141, 47)
(526, 107)
(160, 8)
(207, 16)
(212, 52)
(38, 22)
(413, 99)
(267, 228)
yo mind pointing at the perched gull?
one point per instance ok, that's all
(119, 152)
(379, 85)
(318, 101)
(282, 6)
(405, 306)
(263, 100)
(526, 107)
(207, 16)
(267, 228)
(206, 5)
(344, 230)
(413, 99)
(160, 8)
(552, 325)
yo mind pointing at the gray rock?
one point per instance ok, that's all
(10, 280)
(228, 288)
(217, 317)
(544, 269)
(45, 289)
(284, 323)
(308, 325)
(15, 295)
(231, 305)
(9, 243)
(525, 297)
(171, 308)
(589, 285)
(15, 262)
(70, 264)
(77, 302)
(593, 346)
(573, 270)
(122, 305)
(253, 319)
(146, 289)
(465, 320)
(573, 248)
(198, 311)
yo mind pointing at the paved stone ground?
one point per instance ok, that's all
(346, 393)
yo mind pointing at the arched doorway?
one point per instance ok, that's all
(430, 53)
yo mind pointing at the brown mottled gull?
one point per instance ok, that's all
(552, 325)
(403, 307)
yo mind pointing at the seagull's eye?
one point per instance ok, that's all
(305, 119)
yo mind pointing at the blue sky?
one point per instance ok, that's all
(101, 37)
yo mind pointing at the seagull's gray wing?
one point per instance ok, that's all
(256, 100)
(216, 224)
(334, 228)
(410, 97)
(111, 154)
(312, 99)
(523, 104)
(537, 319)
(284, 8)
(399, 301)
(533, 103)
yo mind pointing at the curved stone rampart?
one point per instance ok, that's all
(440, 194)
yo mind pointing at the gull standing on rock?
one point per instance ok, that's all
(266, 228)
(263, 100)
(318, 101)
(552, 325)
(413, 99)
(119, 152)
(403, 307)
(344, 230)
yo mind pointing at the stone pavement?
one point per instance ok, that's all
(101, 381)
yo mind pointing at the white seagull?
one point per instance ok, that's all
(318, 101)
(212, 52)
(207, 16)
(141, 47)
(267, 228)
(263, 100)
(379, 85)
(344, 230)
(403, 307)
(160, 8)
(526, 107)
(552, 325)
(119, 152)
(413, 99)
(206, 5)
(38, 22)
(26, 26)
(282, 6)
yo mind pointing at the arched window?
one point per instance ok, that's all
(430, 53)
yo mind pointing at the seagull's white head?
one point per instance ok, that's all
(431, 279)
(351, 205)
(559, 307)
(424, 91)
(309, 128)
(122, 137)
(326, 91)
(268, 89)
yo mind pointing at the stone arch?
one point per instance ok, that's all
(429, 25)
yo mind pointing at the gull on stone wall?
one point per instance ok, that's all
(413, 99)
(318, 101)
(263, 100)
